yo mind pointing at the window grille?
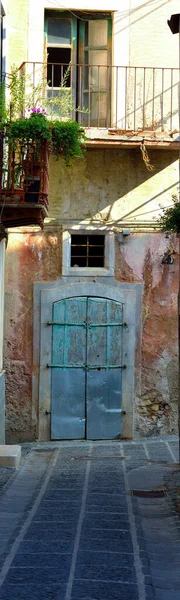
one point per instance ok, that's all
(87, 250)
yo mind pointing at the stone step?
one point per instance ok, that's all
(10, 456)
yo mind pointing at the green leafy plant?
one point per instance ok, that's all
(67, 139)
(2, 101)
(22, 93)
(29, 121)
(24, 130)
(170, 220)
(64, 139)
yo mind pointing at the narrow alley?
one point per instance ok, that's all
(92, 521)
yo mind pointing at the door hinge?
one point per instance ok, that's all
(90, 325)
(86, 367)
(64, 324)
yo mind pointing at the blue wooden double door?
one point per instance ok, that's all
(86, 369)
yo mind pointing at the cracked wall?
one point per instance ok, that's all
(156, 404)
(109, 187)
(30, 257)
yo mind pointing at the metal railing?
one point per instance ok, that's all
(124, 98)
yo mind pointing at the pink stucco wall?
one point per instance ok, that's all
(36, 256)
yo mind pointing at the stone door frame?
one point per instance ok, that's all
(44, 297)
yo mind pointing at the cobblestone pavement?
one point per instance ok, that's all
(92, 521)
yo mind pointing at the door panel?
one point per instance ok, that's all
(68, 384)
(95, 56)
(68, 405)
(104, 404)
(104, 375)
(86, 369)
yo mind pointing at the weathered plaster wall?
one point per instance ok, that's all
(17, 21)
(150, 39)
(139, 259)
(2, 374)
(2, 407)
(106, 186)
(113, 185)
(30, 257)
(140, 30)
(110, 187)
(2, 271)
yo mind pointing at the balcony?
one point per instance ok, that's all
(117, 106)
(24, 194)
(120, 99)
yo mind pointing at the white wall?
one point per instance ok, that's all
(36, 25)
(2, 264)
(141, 37)
(2, 374)
(151, 41)
(138, 24)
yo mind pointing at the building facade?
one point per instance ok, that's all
(3, 237)
(91, 301)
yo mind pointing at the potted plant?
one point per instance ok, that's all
(30, 138)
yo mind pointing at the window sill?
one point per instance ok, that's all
(88, 272)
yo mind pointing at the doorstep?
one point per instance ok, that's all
(10, 456)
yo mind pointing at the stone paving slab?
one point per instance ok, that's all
(71, 529)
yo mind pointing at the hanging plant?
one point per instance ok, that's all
(67, 140)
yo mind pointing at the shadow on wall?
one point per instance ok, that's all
(112, 185)
(133, 13)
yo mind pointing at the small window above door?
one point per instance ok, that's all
(88, 252)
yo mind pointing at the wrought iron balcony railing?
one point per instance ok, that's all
(124, 98)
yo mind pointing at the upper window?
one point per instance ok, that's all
(58, 50)
(58, 31)
(79, 50)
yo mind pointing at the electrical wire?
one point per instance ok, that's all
(124, 14)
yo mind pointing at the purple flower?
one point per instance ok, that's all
(37, 110)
